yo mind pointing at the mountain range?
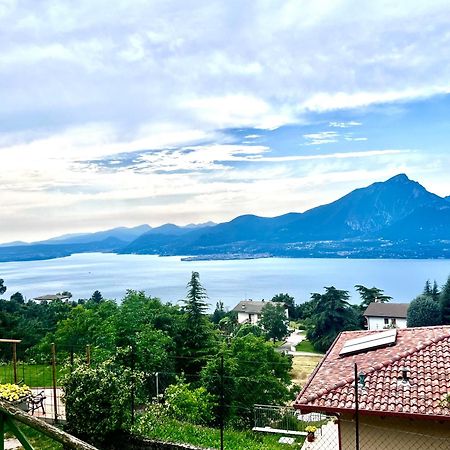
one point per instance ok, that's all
(397, 218)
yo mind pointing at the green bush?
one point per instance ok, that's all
(423, 311)
(97, 400)
(182, 402)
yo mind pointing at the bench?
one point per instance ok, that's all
(36, 402)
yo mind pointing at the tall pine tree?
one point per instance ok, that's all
(196, 339)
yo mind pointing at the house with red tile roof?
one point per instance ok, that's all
(402, 385)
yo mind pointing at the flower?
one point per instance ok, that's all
(13, 392)
(310, 429)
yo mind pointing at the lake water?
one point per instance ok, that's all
(229, 281)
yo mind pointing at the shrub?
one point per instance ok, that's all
(97, 400)
(187, 404)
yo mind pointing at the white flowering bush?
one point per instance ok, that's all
(14, 392)
(98, 400)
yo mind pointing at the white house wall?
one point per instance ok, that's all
(378, 323)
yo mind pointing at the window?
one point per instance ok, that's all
(386, 321)
(394, 321)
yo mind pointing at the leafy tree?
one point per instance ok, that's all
(248, 328)
(445, 302)
(97, 297)
(306, 310)
(17, 297)
(422, 312)
(254, 372)
(2, 286)
(333, 314)
(229, 324)
(274, 321)
(288, 301)
(369, 295)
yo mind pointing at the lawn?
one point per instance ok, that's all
(302, 366)
(33, 375)
(305, 346)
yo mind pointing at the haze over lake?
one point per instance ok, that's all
(230, 281)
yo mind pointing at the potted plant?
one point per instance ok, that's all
(15, 394)
(311, 429)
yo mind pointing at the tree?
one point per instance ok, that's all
(219, 313)
(423, 312)
(2, 286)
(254, 372)
(195, 304)
(444, 301)
(369, 295)
(288, 302)
(435, 294)
(196, 337)
(332, 315)
(274, 321)
(431, 291)
(97, 297)
(17, 297)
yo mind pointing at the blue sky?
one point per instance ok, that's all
(122, 113)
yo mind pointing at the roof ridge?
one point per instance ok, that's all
(378, 366)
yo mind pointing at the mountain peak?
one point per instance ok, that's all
(401, 177)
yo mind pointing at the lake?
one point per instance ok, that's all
(229, 281)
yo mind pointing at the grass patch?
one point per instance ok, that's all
(33, 375)
(175, 431)
(305, 346)
(37, 440)
(302, 366)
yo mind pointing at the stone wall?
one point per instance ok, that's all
(136, 443)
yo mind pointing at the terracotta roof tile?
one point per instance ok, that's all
(424, 352)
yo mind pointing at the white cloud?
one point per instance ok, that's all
(324, 137)
(98, 79)
(349, 124)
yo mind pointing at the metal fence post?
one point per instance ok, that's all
(55, 399)
(133, 363)
(222, 401)
(14, 349)
(88, 355)
(356, 409)
(71, 358)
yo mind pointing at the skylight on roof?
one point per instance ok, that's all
(369, 342)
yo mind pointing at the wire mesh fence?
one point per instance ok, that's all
(236, 409)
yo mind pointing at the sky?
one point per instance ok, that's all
(130, 112)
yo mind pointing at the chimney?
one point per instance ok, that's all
(362, 379)
(404, 379)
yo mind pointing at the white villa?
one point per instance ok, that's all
(386, 315)
(249, 311)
